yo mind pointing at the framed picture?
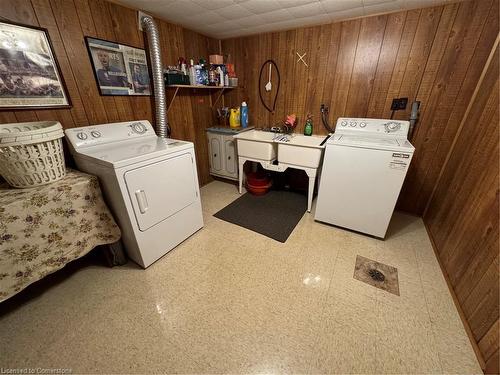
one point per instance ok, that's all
(119, 69)
(29, 73)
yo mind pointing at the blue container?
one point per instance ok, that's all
(244, 115)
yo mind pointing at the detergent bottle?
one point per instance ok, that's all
(244, 114)
(234, 117)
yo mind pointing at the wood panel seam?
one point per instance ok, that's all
(462, 122)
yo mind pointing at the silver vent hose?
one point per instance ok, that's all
(149, 26)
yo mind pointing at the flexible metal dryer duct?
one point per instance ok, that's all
(149, 26)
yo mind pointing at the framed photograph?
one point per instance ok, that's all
(119, 69)
(30, 77)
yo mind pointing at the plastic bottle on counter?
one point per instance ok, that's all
(226, 80)
(308, 128)
(244, 115)
(234, 117)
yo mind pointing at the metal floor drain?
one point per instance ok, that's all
(377, 274)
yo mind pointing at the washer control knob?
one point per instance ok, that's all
(81, 135)
(95, 134)
(392, 126)
(353, 124)
(362, 124)
(138, 128)
(343, 123)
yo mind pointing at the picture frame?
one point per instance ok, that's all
(30, 76)
(119, 69)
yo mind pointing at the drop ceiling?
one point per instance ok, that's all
(223, 19)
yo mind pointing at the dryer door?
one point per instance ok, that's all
(159, 190)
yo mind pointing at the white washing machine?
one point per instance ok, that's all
(150, 184)
(364, 167)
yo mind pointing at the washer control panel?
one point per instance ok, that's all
(396, 128)
(107, 133)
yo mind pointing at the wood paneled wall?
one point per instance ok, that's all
(434, 55)
(462, 216)
(68, 21)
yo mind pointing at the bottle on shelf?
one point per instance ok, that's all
(192, 73)
(204, 72)
(182, 65)
(212, 76)
(220, 75)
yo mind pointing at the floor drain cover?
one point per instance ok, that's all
(377, 274)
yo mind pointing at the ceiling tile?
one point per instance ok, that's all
(207, 18)
(318, 20)
(213, 4)
(234, 12)
(230, 18)
(374, 2)
(183, 8)
(261, 6)
(253, 20)
(307, 10)
(294, 3)
(336, 5)
(277, 16)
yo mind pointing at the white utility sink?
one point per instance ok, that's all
(291, 151)
(302, 150)
(256, 144)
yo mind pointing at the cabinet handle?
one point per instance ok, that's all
(229, 158)
(215, 155)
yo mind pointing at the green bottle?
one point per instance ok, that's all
(308, 128)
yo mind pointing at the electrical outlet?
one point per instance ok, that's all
(399, 104)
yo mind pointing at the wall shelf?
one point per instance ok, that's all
(221, 90)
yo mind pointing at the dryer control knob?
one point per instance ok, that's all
(353, 124)
(343, 123)
(362, 125)
(81, 135)
(138, 128)
(95, 134)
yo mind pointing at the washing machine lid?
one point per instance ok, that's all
(378, 143)
(120, 154)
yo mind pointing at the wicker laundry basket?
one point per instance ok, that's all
(31, 153)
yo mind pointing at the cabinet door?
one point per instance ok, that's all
(231, 165)
(215, 149)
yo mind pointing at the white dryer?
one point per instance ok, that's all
(364, 167)
(150, 184)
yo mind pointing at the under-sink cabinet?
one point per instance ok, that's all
(223, 158)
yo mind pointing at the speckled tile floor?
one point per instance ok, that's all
(229, 300)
